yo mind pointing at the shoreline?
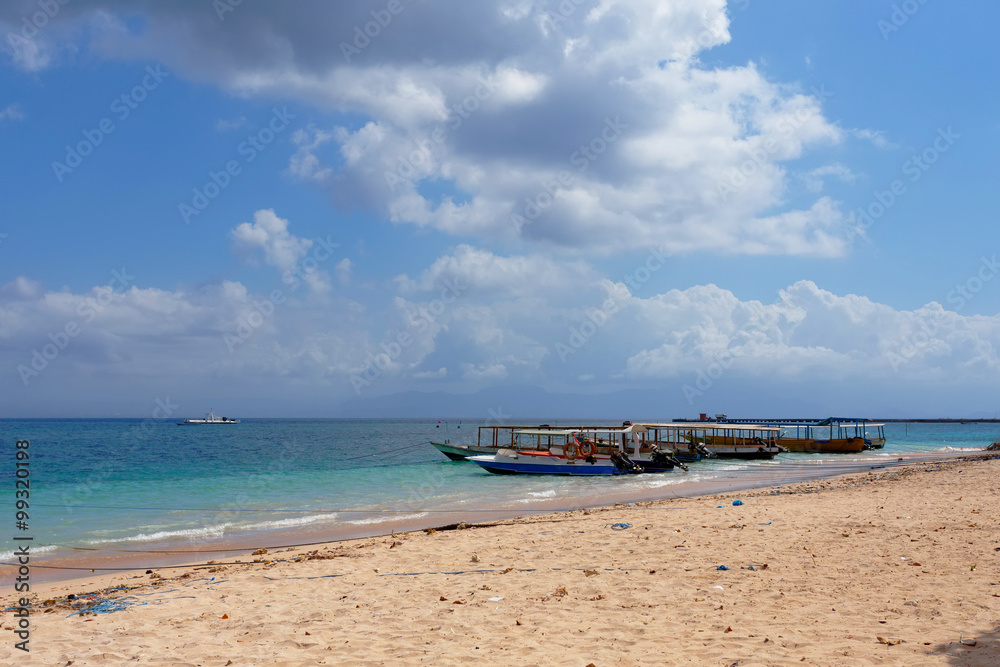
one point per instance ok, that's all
(178, 552)
(894, 566)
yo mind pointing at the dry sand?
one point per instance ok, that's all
(887, 568)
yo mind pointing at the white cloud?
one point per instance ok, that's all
(270, 234)
(812, 334)
(12, 111)
(431, 375)
(490, 372)
(577, 327)
(470, 268)
(814, 179)
(574, 322)
(283, 250)
(479, 108)
(876, 137)
(343, 270)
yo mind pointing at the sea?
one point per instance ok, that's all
(107, 493)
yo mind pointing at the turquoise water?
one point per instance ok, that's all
(111, 484)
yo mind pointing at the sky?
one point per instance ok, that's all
(561, 208)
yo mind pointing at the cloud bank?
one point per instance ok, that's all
(575, 124)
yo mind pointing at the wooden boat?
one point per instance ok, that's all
(548, 452)
(830, 435)
(871, 432)
(698, 440)
(586, 451)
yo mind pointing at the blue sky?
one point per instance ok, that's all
(737, 143)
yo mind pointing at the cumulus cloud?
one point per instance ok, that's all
(270, 234)
(462, 328)
(547, 321)
(810, 334)
(118, 343)
(458, 106)
(281, 249)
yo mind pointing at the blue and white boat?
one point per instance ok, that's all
(210, 418)
(578, 452)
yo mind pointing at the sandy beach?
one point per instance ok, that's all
(892, 567)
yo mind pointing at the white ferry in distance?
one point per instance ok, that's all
(210, 418)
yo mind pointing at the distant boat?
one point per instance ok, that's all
(210, 418)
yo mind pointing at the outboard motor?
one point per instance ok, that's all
(678, 463)
(703, 450)
(665, 461)
(625, 464)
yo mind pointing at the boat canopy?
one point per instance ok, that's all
(547, 431)
(852, 420)
(712, 426)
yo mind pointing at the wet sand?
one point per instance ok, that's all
(885, 567)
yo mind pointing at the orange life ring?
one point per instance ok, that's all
(590, 448)
(570, 451)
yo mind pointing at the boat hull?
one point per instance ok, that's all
(815, 446)
(744, 453)
(461, 452)
(548, 465)
(205, 423)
